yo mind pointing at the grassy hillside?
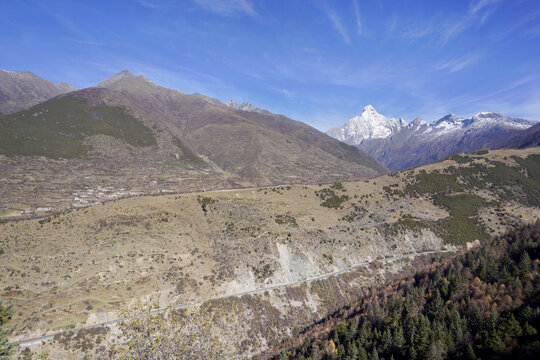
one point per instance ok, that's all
(57, 128)
(456, 189)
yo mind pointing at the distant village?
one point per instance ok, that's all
(88, 197)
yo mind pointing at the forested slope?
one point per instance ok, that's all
(482, 304)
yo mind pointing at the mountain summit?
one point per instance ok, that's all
(122, 75)
(21, 90)
(369, 125)
(399, 145)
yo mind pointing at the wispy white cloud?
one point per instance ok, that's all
(336, 21)
(477, 13)
(285, 92)
(228, 7)
(358, 20)
(476, 6)
(496, 95)
(459, 63)
(148, 4)
(520, 98)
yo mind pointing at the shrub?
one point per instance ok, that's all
(154, 334)
(286, 219)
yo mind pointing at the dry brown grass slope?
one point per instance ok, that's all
(244, 142)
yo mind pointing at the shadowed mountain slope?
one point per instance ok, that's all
(525, 138)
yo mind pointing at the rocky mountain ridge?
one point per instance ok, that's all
(245, 106)
(21, 90)
(399, 145)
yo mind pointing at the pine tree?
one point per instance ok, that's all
(306, 346)
(387, 343)
(436, 305)
(529, 330)
(470, 355)
(362, 354)
(524, 263)
(421, 343)
(374, 354)
(512, 327)
(437, 351)
(352, 350)
(399, 341)
(6, 313)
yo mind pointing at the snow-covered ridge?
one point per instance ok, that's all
(245, 106)
(372, 125)
(369, 125)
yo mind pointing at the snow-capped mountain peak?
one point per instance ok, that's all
(400, 145)
(418, 121)
(369, 125)
(449, 119)
(490, 115)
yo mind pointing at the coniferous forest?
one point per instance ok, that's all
(481, 304)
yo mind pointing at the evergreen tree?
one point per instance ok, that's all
(374, 354)
(470, 355)
(436, 306)
(512, 327)
(524, 263)
(362, 354)
(528, 330)
(442, 314)
(6, 313)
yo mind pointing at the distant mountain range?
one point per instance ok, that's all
(399, 145)
(525, 138)
(135, 133)
(20, 90)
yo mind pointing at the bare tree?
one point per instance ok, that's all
(154, 334)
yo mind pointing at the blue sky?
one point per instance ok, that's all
(316, 61)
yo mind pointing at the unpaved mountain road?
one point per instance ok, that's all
(33, 341)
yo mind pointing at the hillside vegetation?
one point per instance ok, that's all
(483, 304)
(57, 128)
(456, 189)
